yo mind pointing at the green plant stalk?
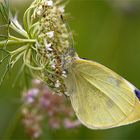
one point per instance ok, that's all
(21, 32)
(16, 42)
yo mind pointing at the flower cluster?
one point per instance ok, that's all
(52, 42)
(40, 105)
(45, 50)
(44, 44)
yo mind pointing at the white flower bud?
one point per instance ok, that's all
(49, 3)
(48, 47)
(57, 84)
(50, 34)
(61, 9)
(39, 12)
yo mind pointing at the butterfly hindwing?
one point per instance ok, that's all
(100, 97)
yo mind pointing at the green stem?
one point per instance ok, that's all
(16, 41)
(21, 32)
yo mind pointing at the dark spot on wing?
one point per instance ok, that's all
(109, 104)
(137, 92)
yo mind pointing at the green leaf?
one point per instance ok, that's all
(4, 10)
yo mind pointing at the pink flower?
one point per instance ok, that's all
(31, 95)
(40, 104)
(71, 124)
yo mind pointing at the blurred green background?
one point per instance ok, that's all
(107, 31)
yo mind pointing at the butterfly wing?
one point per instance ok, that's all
(100, 97)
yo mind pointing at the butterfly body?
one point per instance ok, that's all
(101, 98)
